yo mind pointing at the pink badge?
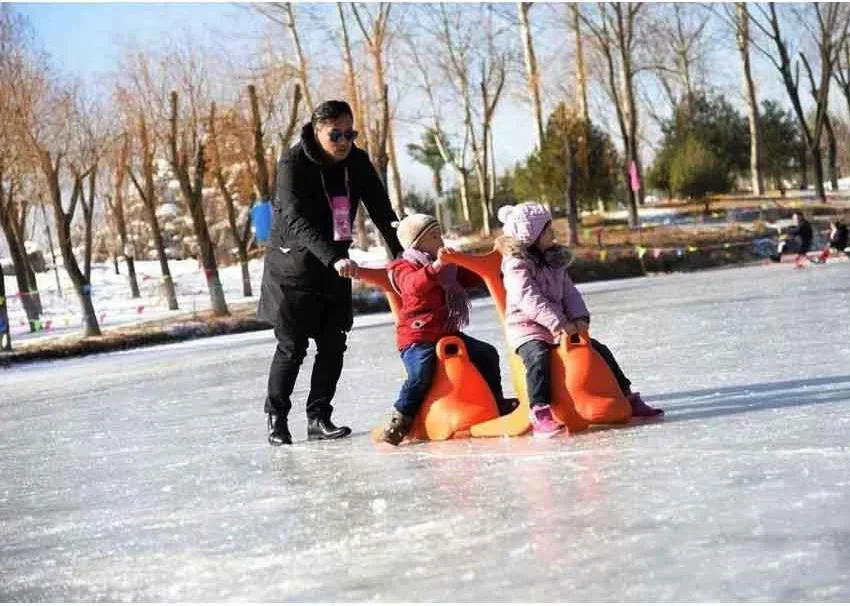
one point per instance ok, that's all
(341, 210)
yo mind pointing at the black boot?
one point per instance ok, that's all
(279, 430)
(398, 427)
(322, 428)
(507, 406)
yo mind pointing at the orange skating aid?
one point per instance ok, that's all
(378, 277)
(590, 384)
(459, 397)
(489, 267)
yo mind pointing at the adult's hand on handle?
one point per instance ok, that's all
(346, 268)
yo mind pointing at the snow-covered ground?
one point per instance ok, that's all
(115, 307)
(144, 475)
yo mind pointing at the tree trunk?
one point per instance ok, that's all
(262, 182)
(361, 236)
(147, 194)
(832, 154)
(25, 277)
(817, 166)
(532, 73)
(624, 33)
(117, 208)
(5, 330)
(396, 174)
(52, 249)
(26, 289)
(804, 167)
(749, 89)
(581, 75)
(239, 240)
(464, 196)
(191, 188)
(299, 54)
(571, 194)
(91, 327)
(82, 287)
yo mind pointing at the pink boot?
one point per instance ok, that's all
(543, 423)
(641, 408)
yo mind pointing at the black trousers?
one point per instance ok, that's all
(536, 356)
(324, 317)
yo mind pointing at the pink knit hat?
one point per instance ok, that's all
(524, 222)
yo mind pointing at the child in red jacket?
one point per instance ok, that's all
(434, 304)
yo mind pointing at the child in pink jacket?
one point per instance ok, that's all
(543, 306)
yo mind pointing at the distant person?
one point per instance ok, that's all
(434, 304)
(306, 286)
(798, 238)
(543, 307)
(838, 240)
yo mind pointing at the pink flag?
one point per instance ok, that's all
(633, 176)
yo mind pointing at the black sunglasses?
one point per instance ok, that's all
(336, 135)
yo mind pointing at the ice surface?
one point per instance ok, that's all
(145, 475)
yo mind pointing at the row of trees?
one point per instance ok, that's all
(166, 157)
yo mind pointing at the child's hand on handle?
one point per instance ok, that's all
(582, 326)
(566, 330)
(441, 254)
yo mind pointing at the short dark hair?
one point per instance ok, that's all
(330, 111)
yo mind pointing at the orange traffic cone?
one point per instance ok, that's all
(591, 385)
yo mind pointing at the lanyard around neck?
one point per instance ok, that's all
(325, 187)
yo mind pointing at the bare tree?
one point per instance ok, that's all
(679, 46)
(147, 193)
(191, 179)
(464, 50)
(240, 236)
(581, 72)
(82, 165)
(116, 207)
(532, 73)
(143, 99)
(613, 30)
(15, 166)
(13, 212)
(353, 95)
(283, 13)
(832, 146)
(377, 39)
(829, 35)
(454, 159)
(742, 36)
(842, 71)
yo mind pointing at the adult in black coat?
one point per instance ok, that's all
(799, 238)
(306, 287)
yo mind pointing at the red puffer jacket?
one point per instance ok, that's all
(423, 314)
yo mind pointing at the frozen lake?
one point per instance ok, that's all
(145, 475)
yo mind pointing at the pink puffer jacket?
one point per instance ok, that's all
(541, 297)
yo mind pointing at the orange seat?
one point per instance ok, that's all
(459, 396)
(589, 384)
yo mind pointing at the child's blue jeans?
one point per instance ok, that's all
(420, 361)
